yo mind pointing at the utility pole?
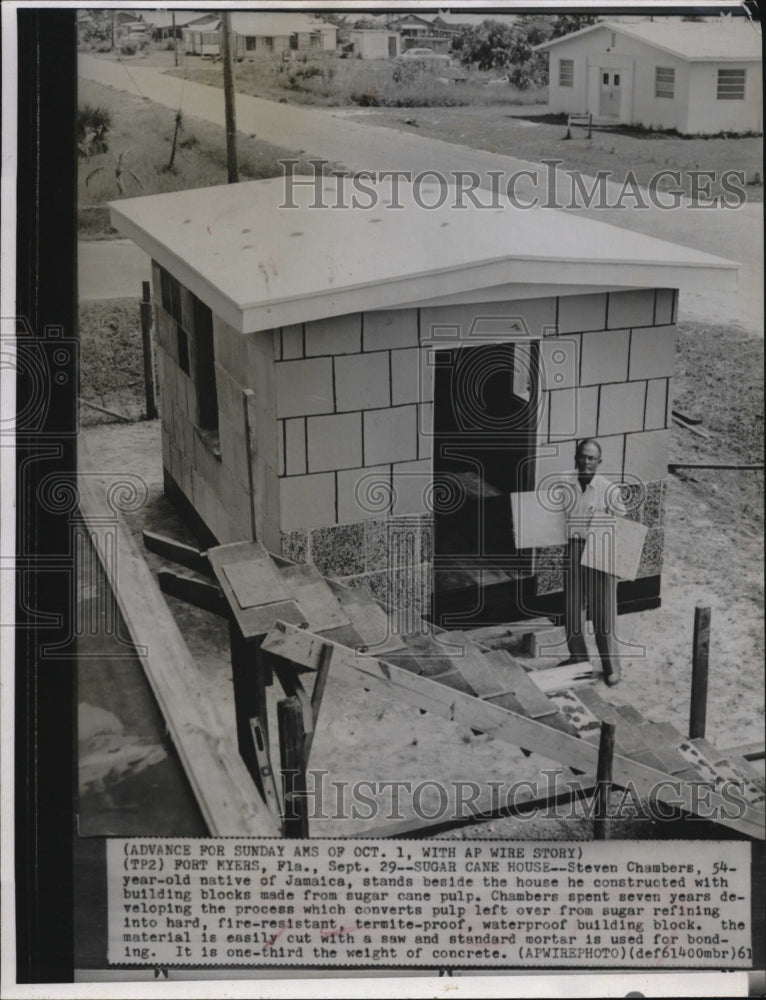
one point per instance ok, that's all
(175, 38)
(228, 97)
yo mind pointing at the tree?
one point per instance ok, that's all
(565, 24)
(496, 45)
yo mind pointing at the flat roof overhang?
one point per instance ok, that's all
(259, 264)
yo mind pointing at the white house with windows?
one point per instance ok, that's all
(696, 77)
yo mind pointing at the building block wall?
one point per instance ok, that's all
(325, 431)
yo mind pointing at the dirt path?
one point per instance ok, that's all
(361, 145)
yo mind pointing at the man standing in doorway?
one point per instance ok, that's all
(593, 502)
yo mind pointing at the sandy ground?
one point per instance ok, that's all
(708, 560)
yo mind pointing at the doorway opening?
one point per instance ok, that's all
(486, 411)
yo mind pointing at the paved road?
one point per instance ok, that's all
(357, 145)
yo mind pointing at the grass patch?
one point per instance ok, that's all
(111, 359)
(645, 153)
(142, 134)
(332, 82)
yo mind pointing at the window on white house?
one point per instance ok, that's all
(731, 85)
(566, 72)
(250, 43)
(269, 43)
(664, 81)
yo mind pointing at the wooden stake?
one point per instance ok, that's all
(228, 98)
(700, 656)
(291, 743)
(146, 341)
(604, 781)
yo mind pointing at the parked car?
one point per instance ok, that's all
(426, 56)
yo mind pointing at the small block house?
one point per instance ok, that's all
(362, 388)
(374, 43)
(694, 77)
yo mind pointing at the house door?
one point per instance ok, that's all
(392, 47)
(611, 93)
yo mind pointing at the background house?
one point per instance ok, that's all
(695, 77)
(256, 34)
(420, 31)
(353, 401)
(373, 43)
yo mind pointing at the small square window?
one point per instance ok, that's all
(617, 79)
(605, 78)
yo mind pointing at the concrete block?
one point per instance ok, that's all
(425, 430)
(605, 357)
(665, 306)
(524, 317)
(362, 381)
(292, 342)
(334, 442)
(669, 404)
(612, 456)
(621, 407)
(389, 328)
(632, 308)
(390, 435)
(412, 487)
(653, 352)
(295, 447)
(560, 361)
(303, 387)
(338, 550)
(364, 493)
(578, 313)
(646, 455)
(307, 501)
(573, 413)
(554, 460)
(406, 375)
(294, 546)
(656, 404)
(337, 335)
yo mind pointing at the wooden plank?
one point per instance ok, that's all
(310, 590)
(368, 618)
(254, 621)
(535, 705)
(202, 595)
(292, 758)
(720, 774)
(254, 583)
(206, 744)
(585, 723)
(269, 785)
(480, 673)
(750, 751)
(177, 552)
(700, 657)
(603, 781)
(562, 678)
(483, 810)
(377, 675)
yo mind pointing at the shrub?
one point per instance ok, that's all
(93, 124)
(127, 48)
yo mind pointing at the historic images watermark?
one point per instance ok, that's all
(553, 794)
(543, 186)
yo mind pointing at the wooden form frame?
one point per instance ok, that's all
(305, 649)
(217, 775)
